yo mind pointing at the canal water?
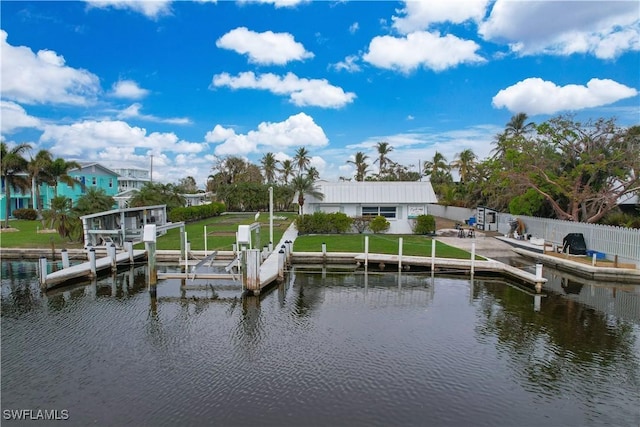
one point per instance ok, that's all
(323, 349)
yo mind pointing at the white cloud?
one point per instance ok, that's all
(151, 9)
(354, 27)
(298, 130)
(419, 15)
(277, 3)
(537, 96)
(15, 117)
(410, 117)
(133, 112)
(89, 139)
(43, 78)
(603, 29)
(264, 48)
(128, 89)
(421, 48)
(349, 64)
(301, 92)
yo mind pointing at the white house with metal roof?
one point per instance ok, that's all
(398, 201)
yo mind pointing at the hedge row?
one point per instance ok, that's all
(323, 223)
(196, 213)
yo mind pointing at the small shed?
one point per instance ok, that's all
(400, 202)
(486, 218)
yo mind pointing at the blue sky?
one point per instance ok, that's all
(189, 82)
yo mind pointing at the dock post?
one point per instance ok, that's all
(538, 277)
(92, 261)
(473, 258)
(128, 245)
(149, 238)
(400, 254)
(433, 254)
(324, 252)
(366, 251)
(205, 241)
(42, 269)
(281, 264)
(252, 275)
(89, 247)
(111, 252)
(65, 258)
(289, 249)
(593, 260)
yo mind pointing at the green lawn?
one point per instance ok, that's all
(378, 243)
(221, 236)
(27, 236)
(221, 231)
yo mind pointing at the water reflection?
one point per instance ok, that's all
(324, 347)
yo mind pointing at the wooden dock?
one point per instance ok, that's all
(84, 270)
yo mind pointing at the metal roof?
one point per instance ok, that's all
(375, 192)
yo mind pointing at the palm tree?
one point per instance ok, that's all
(269, 166)
(93, 201)
(302, 159)
(158, 194)
(38, 167)
(59, 172)
(360, 162)
(286, 170)
(437, 168)
(305, 185)
(383, 149)
(12, 167)
(517, 126)
(464, 162)
(313, 173)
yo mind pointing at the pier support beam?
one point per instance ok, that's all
(251, 272)
(92, 262)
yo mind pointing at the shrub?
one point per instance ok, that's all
(28, 214)
(361, 223)
(196, 213)
(425, 224)
(379, 224)
(323, 223)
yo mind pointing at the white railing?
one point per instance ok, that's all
(621, 241)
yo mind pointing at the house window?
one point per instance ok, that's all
(110, 182)
(94, 181)
(385, 211)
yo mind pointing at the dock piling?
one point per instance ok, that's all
(128, 245)
(400, 254)
(473, 257)
(42, 270)
(433, 254)
(65, 258)
(366, 251)
(111, 251)
(92, 261)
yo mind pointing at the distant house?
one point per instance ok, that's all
(132, 178)
(18, 199)
(197, 199)
(400, 202)
(88, 175)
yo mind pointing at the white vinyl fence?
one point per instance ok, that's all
(612, 241)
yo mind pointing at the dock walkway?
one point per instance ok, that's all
(84, 269)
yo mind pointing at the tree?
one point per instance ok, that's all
(383, 148)
(153, 194)
(437, 169)
(464, 162)
(93, 201)
(232, 170)
(313, 173)
(580, 170)
(305, 185)
(269, 167)
(59, 172)
(62, 218)
(38, 172)
(286, 170)
(517, 127)
(360, 163)
(302, 159)
(12, 166)
(187, 185)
